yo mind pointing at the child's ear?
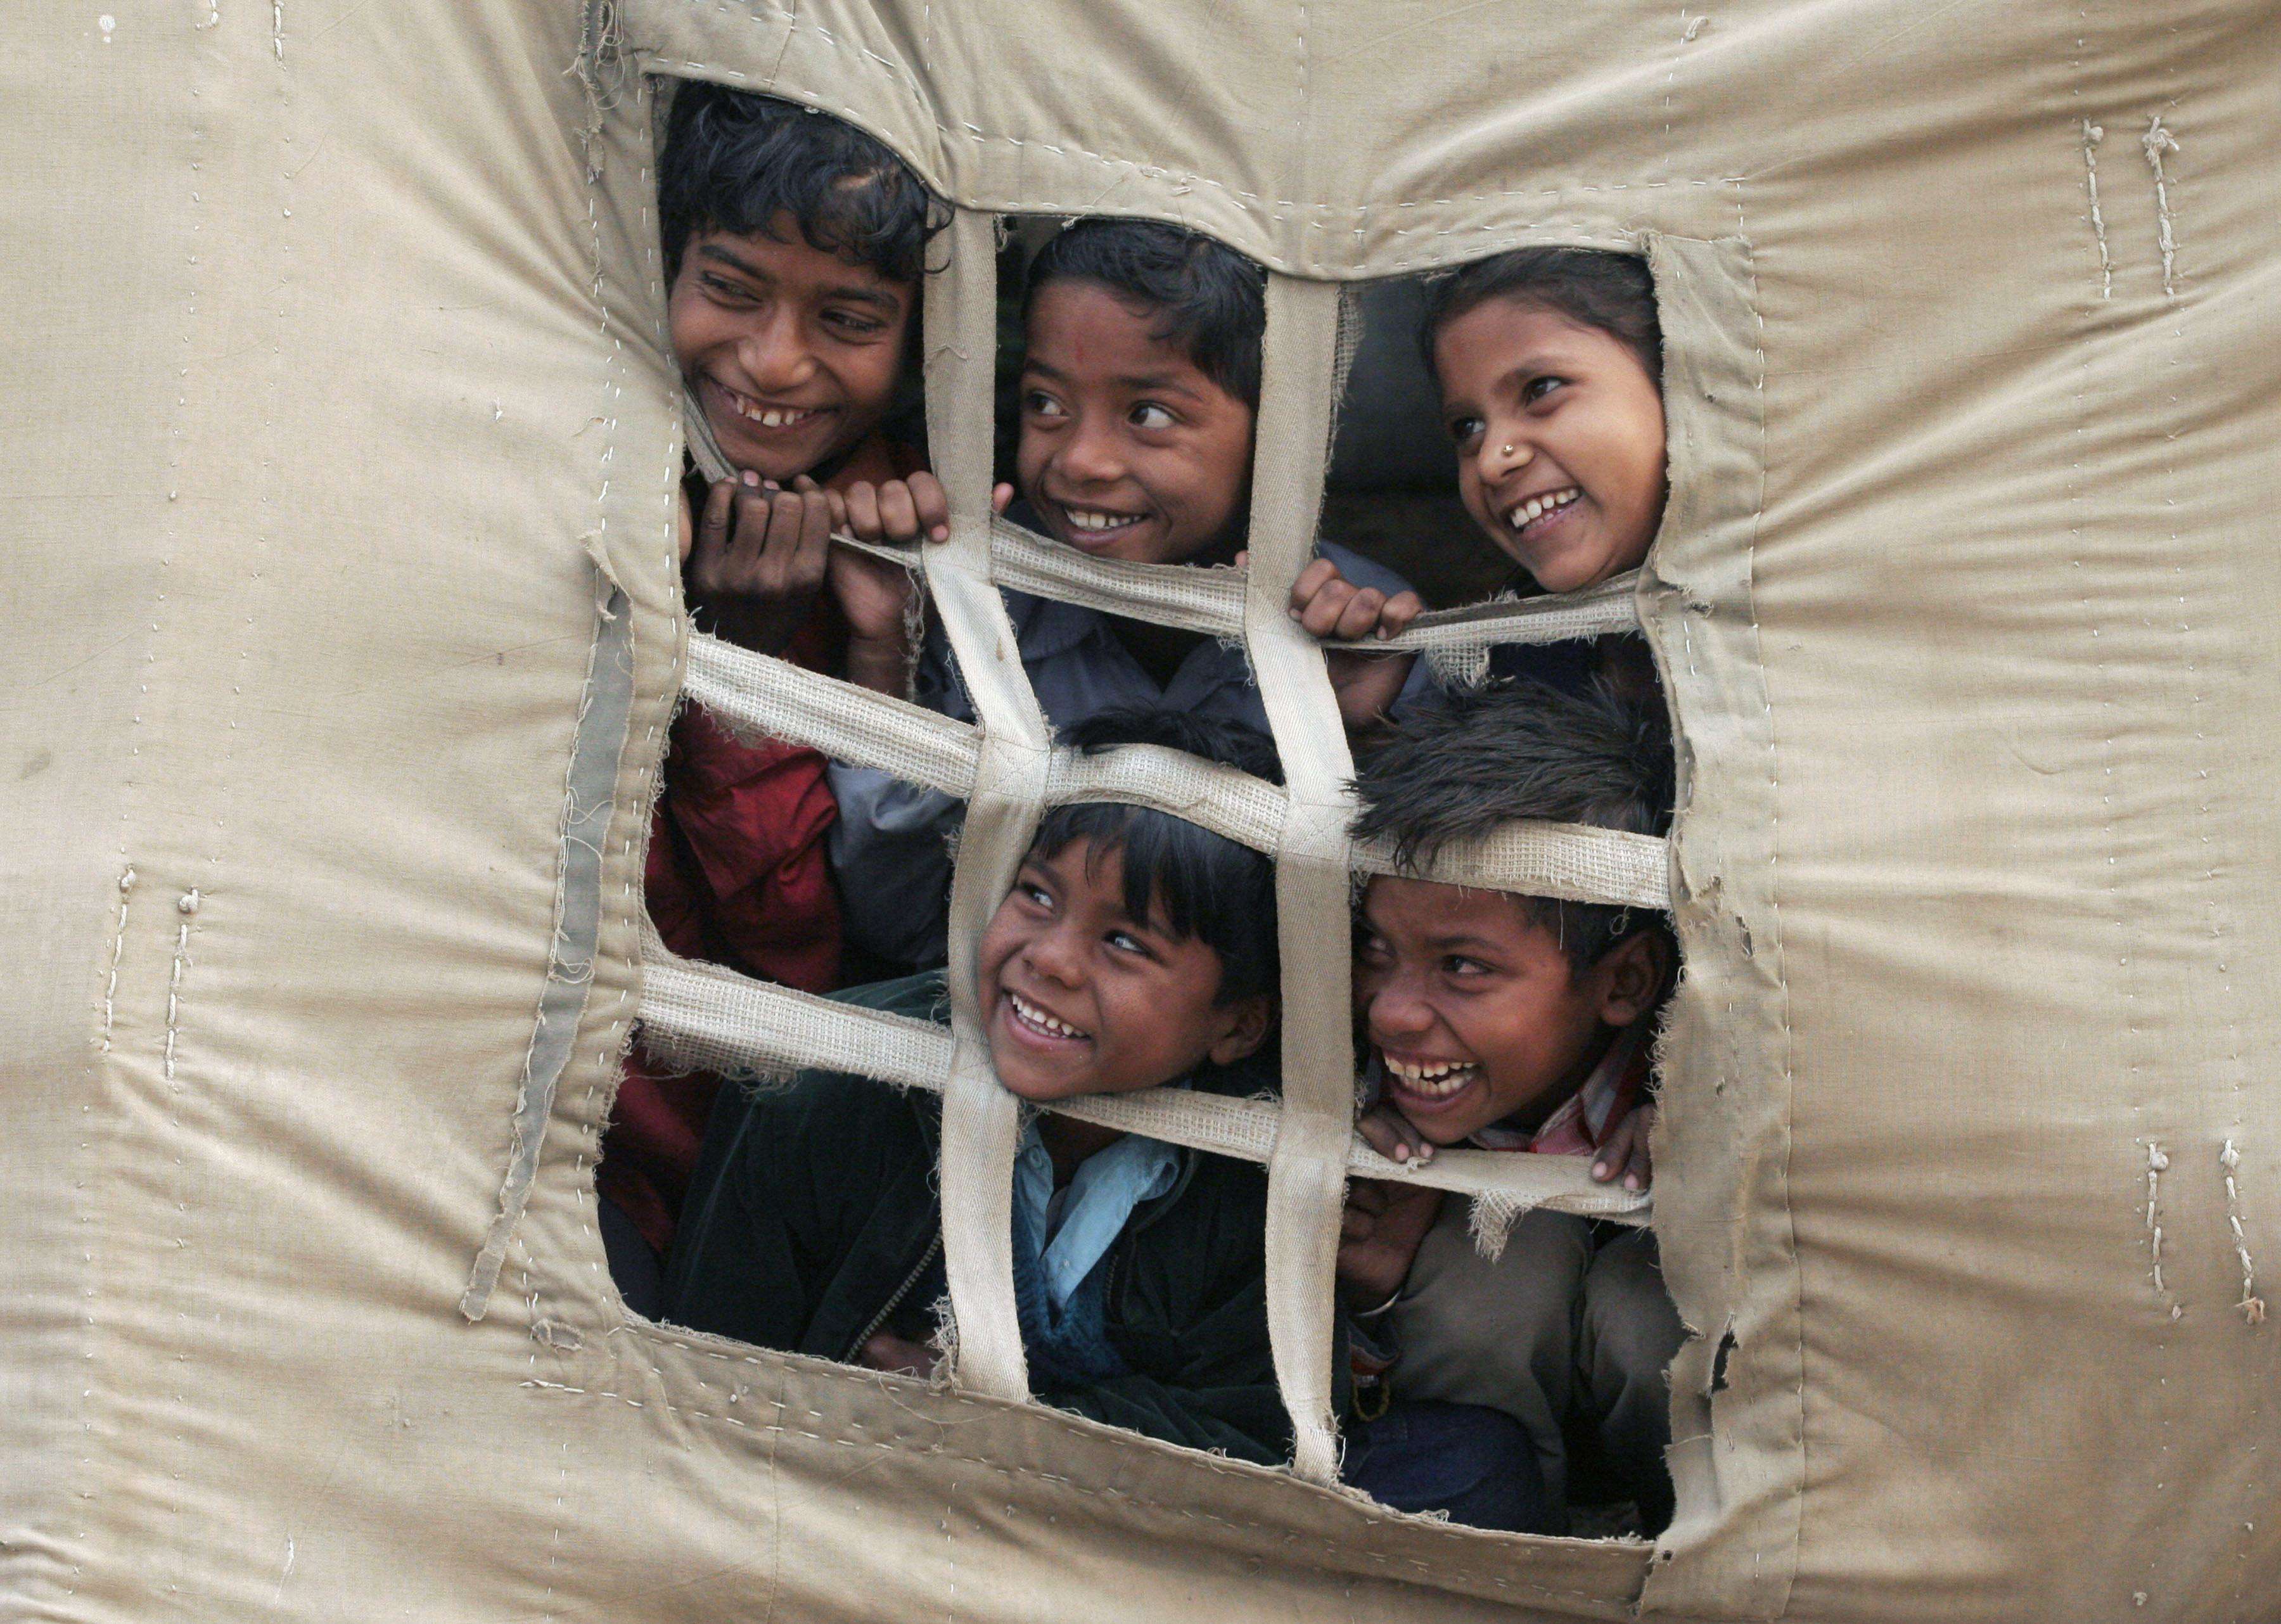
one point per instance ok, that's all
(1632, 977)
(1248, 1020)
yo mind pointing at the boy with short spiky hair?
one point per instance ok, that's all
(1134, 949)
(1516, 1023)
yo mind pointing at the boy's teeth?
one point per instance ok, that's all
(1441, 1077)
(1092, 519)
(1537, 506)
(770, 417)
(1031, 1015)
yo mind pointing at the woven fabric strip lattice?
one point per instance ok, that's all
(700, 1016)
(1006, 768)
(759, 696)
(1209, 599)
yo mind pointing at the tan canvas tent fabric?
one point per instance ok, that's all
(339, 443)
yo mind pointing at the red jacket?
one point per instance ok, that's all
(738, 875)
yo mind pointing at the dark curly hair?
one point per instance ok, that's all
(735, 162)
(1462, 764)
(1211, 300)
(1206, 885)
(1592, 287)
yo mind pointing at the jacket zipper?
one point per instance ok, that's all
(926, 1261)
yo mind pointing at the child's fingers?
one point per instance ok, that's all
(814, 540)
(1379, 1134)
(1320, 616)
(1411, 1146)
(1317, 575)
(713, 528)
(863, 511)
(787, 512)
(753, 512)
(1625, 1156)
(1360, 613)
(1642, 1172)
(1388, 1133)
(1001, 497)
(1613, 1151)
(931, 503)
(1400, 610)
(898, 515)
(838, 505)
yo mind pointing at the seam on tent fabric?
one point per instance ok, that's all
(588, 797)
(1774, 891)
(600, 67)
(117, 947)
(2157, 1164)
(2092, 135)
(2156, 142)
(901, 1445)
(1728, 295)
(974, 135)
(186, 906)
(2251, 1306)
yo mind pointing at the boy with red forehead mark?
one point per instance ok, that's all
(1516, 1024)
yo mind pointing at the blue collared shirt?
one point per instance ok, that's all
(1081, 1221)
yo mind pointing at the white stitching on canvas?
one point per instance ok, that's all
(2252, 1305)
(187, 904)
(2158, 1162)
(2156, 142)
(2092, 135)
(117, 946)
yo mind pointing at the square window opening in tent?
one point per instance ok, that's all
(1501, 439)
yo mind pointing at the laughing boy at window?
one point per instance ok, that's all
(1134, 950)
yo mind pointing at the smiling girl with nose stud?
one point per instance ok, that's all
(1548, 365)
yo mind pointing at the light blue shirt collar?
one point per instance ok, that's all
(1083, 1221)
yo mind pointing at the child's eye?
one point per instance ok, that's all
(725, 292)
(1126, 941)
(1148, 414)
(1373, 950)
(1464, 430)
(1037, 403)
(854, 326)
(1458, 964)
(1537, 389)
(1034, 894)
